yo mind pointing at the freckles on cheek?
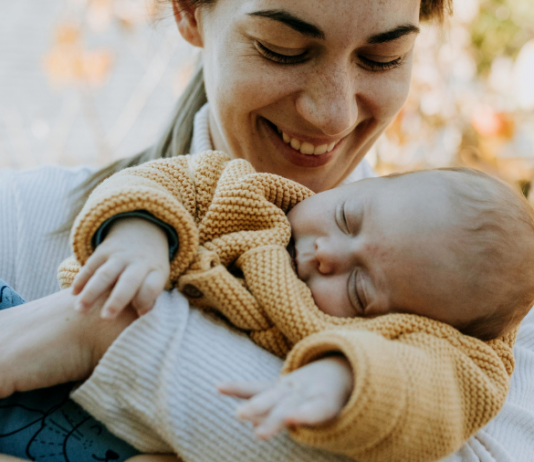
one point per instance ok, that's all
(251, 80)
(258, 88)
(387, 94)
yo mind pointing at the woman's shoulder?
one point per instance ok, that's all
(46, 175)
(33, 204)
(47, 183)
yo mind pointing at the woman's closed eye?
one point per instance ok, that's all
(282, 58)
(376, 66)
(302, 56)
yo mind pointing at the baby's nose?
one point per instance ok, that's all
(328, 256)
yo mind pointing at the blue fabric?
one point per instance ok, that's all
(8, 297)
(45, 425)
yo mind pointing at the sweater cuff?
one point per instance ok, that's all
(172, 235)
(372, 411)
(377, 403)
(108, 203)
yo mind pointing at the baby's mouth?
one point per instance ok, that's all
(293, 254)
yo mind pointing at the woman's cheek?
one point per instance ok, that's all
(385, 93)
(257, 84)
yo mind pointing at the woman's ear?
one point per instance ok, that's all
(186, 19)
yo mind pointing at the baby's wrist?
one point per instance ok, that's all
(140, 228)
(342, 373)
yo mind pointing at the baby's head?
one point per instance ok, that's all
(455, 245)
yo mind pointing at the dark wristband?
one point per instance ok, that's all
(172, 235)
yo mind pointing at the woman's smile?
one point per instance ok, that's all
(297, 151)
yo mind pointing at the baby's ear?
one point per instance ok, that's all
(15, 418)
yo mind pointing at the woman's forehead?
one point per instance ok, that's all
(326, 19)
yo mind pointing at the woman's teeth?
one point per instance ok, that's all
(304, 147)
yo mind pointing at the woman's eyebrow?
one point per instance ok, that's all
(305, 28)
(393, 34)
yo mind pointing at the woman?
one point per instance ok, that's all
(283, 80)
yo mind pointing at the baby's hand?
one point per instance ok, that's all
(133, 260)
(311, 395)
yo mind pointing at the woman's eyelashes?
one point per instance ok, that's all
(376, 66)
(280, 58)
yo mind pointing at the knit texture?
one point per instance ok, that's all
(232, 258)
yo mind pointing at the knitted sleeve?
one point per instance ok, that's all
(165, 188)
(419, 396)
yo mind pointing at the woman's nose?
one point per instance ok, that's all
(329, 102)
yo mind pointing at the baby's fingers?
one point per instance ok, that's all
(124, 291)
(86, 272)
(150, 290)
(244, 390)
(313, 412)
(102, 280)
(260, 404)
(276, 420)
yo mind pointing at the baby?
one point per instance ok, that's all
(455, 246)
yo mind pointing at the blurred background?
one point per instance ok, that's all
(90, 81)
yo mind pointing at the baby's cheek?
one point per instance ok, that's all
(331, 296)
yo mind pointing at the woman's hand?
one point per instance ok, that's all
(132, 262)
(4, 458)
(151, 458)
(46, 342)
(311, 395)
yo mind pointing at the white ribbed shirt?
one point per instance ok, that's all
(156, 386)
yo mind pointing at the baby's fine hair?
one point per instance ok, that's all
(495, 243)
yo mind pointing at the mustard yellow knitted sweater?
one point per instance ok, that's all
(421, 388)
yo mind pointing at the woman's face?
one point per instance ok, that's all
(303, 88)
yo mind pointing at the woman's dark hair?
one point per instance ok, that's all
(176, 138)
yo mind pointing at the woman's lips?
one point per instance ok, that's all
(296, 157)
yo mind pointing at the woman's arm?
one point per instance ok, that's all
(46, 342)
(147, 458)
(176, 345)
(129, 390)
(4, 458)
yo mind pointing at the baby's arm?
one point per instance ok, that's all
(132, 261)
(134, 256)
(420, 394)
(311, 395)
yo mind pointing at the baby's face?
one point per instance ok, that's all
(382, 246)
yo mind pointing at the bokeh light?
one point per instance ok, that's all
(89, 81)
